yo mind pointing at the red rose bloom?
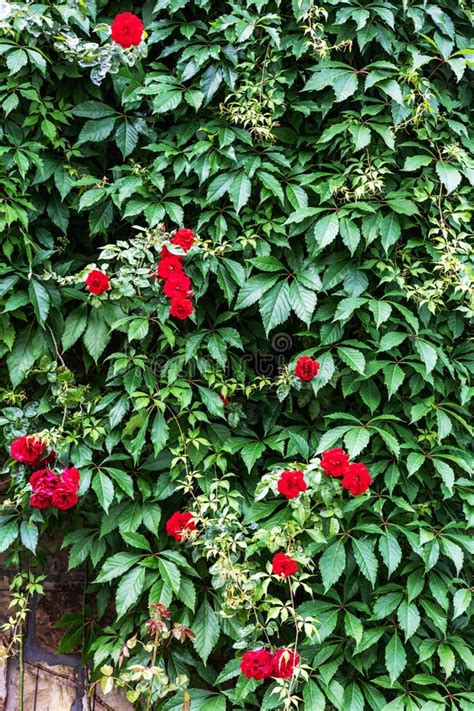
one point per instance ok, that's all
(64, 497)
(40, 499)
(283, 565)
(71, 477)
(177, 286)
(257, 664)
(334, 462)
(127, 30)
(356, 478)
(306, 368)
(178, 523)
(181, 308)
(27, 449)
(291, 484)
(184, 238)
(97, 282)
(44, 480)
(284, 663)
(169, 266)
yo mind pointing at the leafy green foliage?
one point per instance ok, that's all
(324, 157)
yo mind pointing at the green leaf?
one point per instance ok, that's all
(350, 234)
(449, 175)
(39, 297)
(461, 601)
(356, 440)
(313, 697)
(363, 550)
(151, 517)
(353, 697)
(29, 535)
(272, 184)
(159, 433)
(275, 305)
(395, 658)
(390, 551)
(104, 489)
(93, 110)
(251, 452)
(26, 351)
(302, 301)
(254, 288)
(74, 326)
(408, 618)
(97, 334)
(8, 533)
(390, 230)
(123, 479)
(126, 137)
(170, 574)
(239, 191)
(353, 627)
(117, 565)
(206, 630)
(332, 564)
(326, 230)
(16, 60)
(415, 162)
(167, 100)
(187, 593)
(427, 354)
(447, 659)
(353, 358)
(97, 130)
(393, 377)
(129, 590)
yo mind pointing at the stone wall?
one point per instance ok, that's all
(52, 681)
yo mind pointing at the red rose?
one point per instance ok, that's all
(97, 282)
(178, 523)
(181, 308)
(44, 480)
(177, 286)
(291, 484)
(169, 266)
(284, 663)
(283, 565)
(27, 449)
(257, 664)
(356, 478)
(71, 478)
(40, 499)
(306, 368)
(184, 238)
(334, 462)
(127, 30)
(64, 497)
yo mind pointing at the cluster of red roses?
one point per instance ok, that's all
(176, 286)
(334, 462)
(127, 30)
(306, 368)
(355, 477)
(49, 489)
(261, 664)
